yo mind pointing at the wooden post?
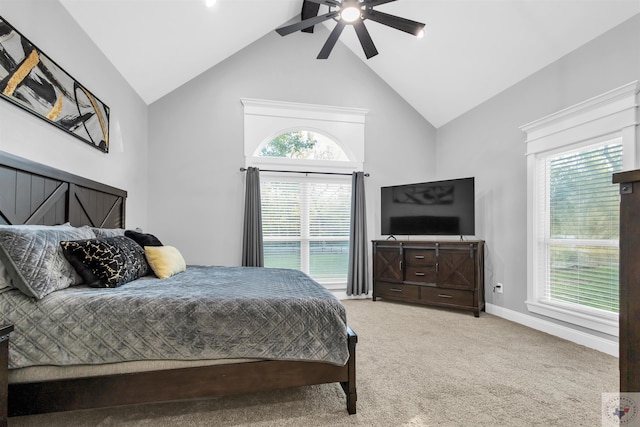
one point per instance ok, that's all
(629, 280)
(4, 362)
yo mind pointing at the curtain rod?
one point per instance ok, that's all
(307, 172)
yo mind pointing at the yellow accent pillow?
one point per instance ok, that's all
(165, 261)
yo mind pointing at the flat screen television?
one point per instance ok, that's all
(443, 208)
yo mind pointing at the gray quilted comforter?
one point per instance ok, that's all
(203, 313)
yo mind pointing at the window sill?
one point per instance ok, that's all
(605, 325)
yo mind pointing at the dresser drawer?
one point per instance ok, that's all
(419, 257)
(421, 274)
(397, 291)
(446, 296)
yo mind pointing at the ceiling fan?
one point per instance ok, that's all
(353, 12)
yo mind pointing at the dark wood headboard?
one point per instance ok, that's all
(32, 193)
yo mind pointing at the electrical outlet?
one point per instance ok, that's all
(499, 288)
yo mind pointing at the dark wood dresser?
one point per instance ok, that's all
(4, 367)
(441, 273)
(629, 280)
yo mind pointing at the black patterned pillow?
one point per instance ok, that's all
(106, 262)
(143, 239)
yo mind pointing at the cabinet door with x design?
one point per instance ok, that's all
(456, 269)
(388, 263)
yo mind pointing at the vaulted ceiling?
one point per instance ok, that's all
(472, 50)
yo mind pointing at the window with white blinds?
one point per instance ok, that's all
(578, 227)
(305, 223)
(573, 210)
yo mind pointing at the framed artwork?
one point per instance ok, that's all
(35, 83)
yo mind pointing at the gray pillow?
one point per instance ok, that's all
(108, 232)
(5, 274)
(34, 260)
(5, 278)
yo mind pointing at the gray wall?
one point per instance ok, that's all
(196, 191)
(49, 26)
(486, 142)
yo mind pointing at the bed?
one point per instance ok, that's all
(178, 363)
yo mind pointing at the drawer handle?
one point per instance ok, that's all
(395, 290)
(419, 256)
(419, 274)
(445, 296)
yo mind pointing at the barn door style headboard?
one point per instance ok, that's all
(32, 193)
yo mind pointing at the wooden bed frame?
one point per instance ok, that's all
(31, 193)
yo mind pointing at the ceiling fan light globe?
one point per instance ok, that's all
(350, 14)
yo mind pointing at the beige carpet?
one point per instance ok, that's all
(417, 366)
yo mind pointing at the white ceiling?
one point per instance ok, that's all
(473, 49)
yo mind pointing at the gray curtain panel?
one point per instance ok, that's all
(252, 248)
(358, 278)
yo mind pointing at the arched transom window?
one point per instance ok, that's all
(303, 144)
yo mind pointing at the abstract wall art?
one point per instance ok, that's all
(35, 83)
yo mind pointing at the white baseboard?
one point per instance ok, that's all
(597, 343)
(342, 294)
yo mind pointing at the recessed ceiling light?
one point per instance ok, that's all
(209, 3)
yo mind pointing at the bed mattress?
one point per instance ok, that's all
(202, 314)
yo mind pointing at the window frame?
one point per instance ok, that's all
(305, 237)
(264, 120)
(591, 318)
(610, 116)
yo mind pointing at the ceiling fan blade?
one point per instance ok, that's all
(283, 31)
(374, 3)
(365, 39)
(309, 10)
(329, 2)
(402, 24)
(331, 41)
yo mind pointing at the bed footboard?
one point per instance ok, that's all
(349, 386)
(181, 384)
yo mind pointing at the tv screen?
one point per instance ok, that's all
(429, 208)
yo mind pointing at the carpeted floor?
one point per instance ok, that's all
(417, 366)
